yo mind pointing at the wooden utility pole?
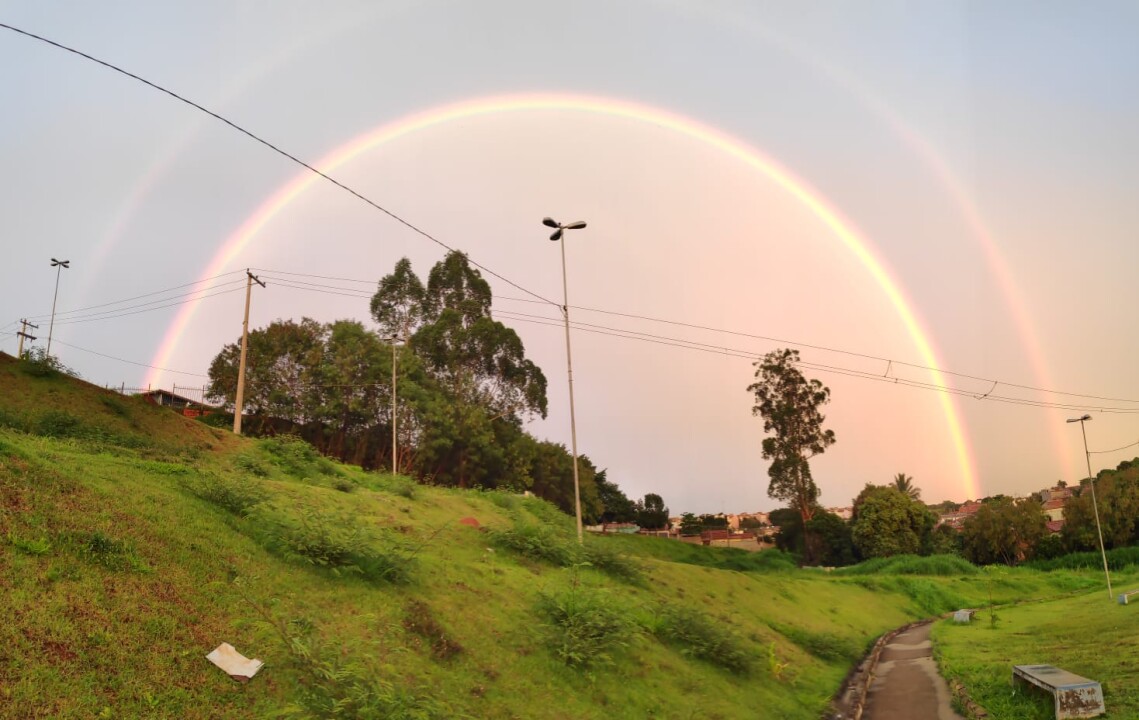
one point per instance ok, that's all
(237, 403)
(395, 448)
(24, 334)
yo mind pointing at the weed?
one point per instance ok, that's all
(774, 666)
(343, 484)
(537, 542)
(504, 500)
(825, 646)
(336, 688)
(250, 463)
(293, 455)
(106, 551)
(405, 487)
(335, 542)
(698, 635)
(237, 496)
(422, 622)
(586, 625)
(610, 561)
(58, 424)
(37, 546)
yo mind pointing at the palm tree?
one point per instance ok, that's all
(905, 484)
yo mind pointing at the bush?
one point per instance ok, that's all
(608, 560)
(585, 625)
(250, 463)
(58, 424)
(700, 636)
(293, 455)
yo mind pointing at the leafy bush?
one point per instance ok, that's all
(585, 625)
(37, 363)
(293, 455)
(58, 424)
(700, 636)
(504, 500)
(939, 565)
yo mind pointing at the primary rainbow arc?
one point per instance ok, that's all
(734, 147)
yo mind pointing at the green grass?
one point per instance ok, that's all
(1087, 634)
(123, 563)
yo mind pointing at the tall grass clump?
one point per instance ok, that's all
(296, 457)
(610, 561)
(335, 542)
(696, 634)
(1117, 559)
(585, 626)
(823, 645)
(238, 496)
(537, 542)
(938, 565)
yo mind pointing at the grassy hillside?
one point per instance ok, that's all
(133, 541)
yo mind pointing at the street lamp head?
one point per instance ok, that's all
(557, 235)
(575, 225)
(64, 263)
(1080, 419)
(549, 222)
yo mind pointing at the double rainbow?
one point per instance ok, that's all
(797, 188)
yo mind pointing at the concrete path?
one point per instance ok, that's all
(906, 683)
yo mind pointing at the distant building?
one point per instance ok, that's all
(956, 519)
(846, 513)
(1054, 508)
(178, 403)
(1055, 526)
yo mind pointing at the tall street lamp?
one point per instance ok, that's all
(1095, 505)
(58, 265)
(559, 237)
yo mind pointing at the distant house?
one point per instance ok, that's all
(178, 403)
(623, 528)
(846, 513)
(1055, 526)
(1054, 508)
(957, 518)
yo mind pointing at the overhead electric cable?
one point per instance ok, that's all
(139, 297)
(73, 321)
(696, 326)
(130, 362)
(1104, 452)
(274, 148)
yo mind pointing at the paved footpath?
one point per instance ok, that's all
(906, 683)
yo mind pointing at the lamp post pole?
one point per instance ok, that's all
(1095, 505)
(58, 265)
(559, 237)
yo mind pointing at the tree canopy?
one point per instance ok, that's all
(789, 404)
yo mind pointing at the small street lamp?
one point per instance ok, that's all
(558, 236)
(58, 265)
(1095, 505)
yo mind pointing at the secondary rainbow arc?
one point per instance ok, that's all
(797, 188)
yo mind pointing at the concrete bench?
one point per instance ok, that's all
(1076, 697)
(1123, 596)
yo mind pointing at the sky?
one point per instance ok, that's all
(910, 194)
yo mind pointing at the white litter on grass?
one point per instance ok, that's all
(236, 665)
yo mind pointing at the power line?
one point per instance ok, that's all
(103, 316)
(850, 372)
(274, 148)
(139, 297)
(131, 362)
(1104, 452)
(753, 336)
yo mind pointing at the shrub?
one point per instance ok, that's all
(698, 635)
(608, 560)
(58, 424)
(293, 455)
(585, 625)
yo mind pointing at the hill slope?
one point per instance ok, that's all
(133, 541)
